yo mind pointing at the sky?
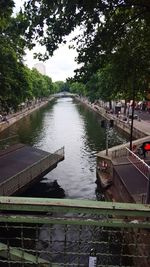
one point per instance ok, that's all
(61, 65)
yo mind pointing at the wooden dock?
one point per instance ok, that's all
(22, 165)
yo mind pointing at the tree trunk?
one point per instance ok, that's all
(125, 107)
(110, 104)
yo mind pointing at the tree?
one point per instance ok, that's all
(77, 88)
(13, 82)
(49, 85)
(108, 29)
(13, 79)
(60, 85)
(103, 23)
(17, 82)
(6, 9)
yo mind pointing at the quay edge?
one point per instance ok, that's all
(112, 185)
(18, 116)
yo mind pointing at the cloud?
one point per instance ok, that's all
(18, 4)
(60, 66)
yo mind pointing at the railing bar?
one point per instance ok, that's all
(131, 152)
(87, 254)
(122, 246)
(138, 160)
(22, 245)
(19, 203)
(49, 220)
(77, 243)
(97, 211)
(52, 264)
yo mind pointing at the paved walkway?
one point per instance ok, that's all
(144, 124)
(133, 179)
(12, 118)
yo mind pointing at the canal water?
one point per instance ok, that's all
(65, 122)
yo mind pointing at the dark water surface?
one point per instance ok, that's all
(65, 122)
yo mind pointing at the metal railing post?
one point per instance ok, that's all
(107, 127)
(148, 190)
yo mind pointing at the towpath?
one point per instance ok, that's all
(14, 117)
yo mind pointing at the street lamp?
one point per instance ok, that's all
(133, 108)
(107, 124)
(132, 119)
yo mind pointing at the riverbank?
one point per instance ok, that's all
(140, 129)
(117, 178)
(13, 118)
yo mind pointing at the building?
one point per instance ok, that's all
(40, 67)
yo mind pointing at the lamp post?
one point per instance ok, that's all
(107, 130)
(132, 119)
(133, 109)
(148, 190)
(107, 124)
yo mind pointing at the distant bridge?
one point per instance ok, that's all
(64, 94)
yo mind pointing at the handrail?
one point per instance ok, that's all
(41, 211)
(75, 205)
(62, 232)
(120, 152)
(140, 164)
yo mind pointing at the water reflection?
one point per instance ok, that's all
(45, 189)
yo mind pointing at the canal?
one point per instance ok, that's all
(65, 122)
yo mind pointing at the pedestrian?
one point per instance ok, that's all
(144, 148)
(4, 118)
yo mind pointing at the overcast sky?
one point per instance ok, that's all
(61, 65)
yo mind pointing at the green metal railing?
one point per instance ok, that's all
(62, 232)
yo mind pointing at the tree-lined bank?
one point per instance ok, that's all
(112, 45)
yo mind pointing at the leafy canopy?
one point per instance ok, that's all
(103, 23)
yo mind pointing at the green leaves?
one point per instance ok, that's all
(113, 44)
(6, 8)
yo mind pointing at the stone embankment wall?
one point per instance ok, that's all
(121, 125)
(13, 118)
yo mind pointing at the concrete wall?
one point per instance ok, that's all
(18, 116)
(122, 193)
(121, 125)
(125, 127)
